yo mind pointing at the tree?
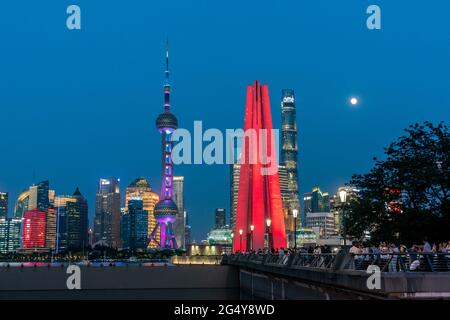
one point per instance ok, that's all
(406, 196)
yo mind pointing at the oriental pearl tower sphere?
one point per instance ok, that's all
(166, 210)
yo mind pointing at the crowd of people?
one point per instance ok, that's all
(384, 253)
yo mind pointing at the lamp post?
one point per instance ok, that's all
(252, 227)
(269, 244)
(240, 239)
(343, 198)
(295, 214)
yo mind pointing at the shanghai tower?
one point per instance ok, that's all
(289, 156)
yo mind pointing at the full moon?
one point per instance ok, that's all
(354, 101)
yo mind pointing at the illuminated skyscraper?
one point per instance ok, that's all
(21, 204)
(141, 188)
(107, 213)
(3, 205)
(166, 210)
(259, 196)
(316, 201)
(289, 155)
(178, 198)
(50, 228)
(34, 227)
(9, 234)
(39, 196)
(234, 188)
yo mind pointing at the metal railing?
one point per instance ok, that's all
(387, 262)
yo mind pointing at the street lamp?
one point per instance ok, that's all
(343, 198)
(295, 214)
(252, 227)
(269, 245)
(240, 239)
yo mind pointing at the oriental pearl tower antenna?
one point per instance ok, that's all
(166, 210)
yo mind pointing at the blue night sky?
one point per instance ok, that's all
(79, 105)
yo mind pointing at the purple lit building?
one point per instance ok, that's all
(166, 210)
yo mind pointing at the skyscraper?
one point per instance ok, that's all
(141, 188)
(9, 234)
(34, 227)
(178, 198)
(316, 201)
(137, 220)
(39, 196)
(3, 204)
(107, 213)
(219, 218)
(166, 210)
(21, 204)
(61, 220)
(77, 221)
(289, 154)
(259, 196)
(50, 228)
(234, 189)
(187, 229)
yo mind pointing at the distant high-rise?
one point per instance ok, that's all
(220, 218)
(316, 201)
(77, 221)
(234, 188)
(289, 154)
(61, 220)
(137, 225)
(107, 213)
(178, 198)
(39, 196)
(9, 234)
(21, 204)
(141, 188)
(322, 223)
(50, 228)
(3, 205)
(34, 227)
(187, 229)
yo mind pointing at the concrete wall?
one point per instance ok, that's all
(179, 282)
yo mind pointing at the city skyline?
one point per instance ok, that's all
(335, 140)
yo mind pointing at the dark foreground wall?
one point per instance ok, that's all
(179, 282)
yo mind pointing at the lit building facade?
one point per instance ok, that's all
(39, 196)
(166, 211)
(140, 188)
(9, 234)
(50, 229)
(34, 229)
(21, 204)
(322, 223)
(316, 201)
(289, 158)
(259, 196)
(3, 205)
(107, 213)
(178, 198)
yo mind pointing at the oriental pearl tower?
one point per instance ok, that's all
(166, 210)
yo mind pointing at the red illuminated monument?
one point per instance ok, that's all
(259, 217)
